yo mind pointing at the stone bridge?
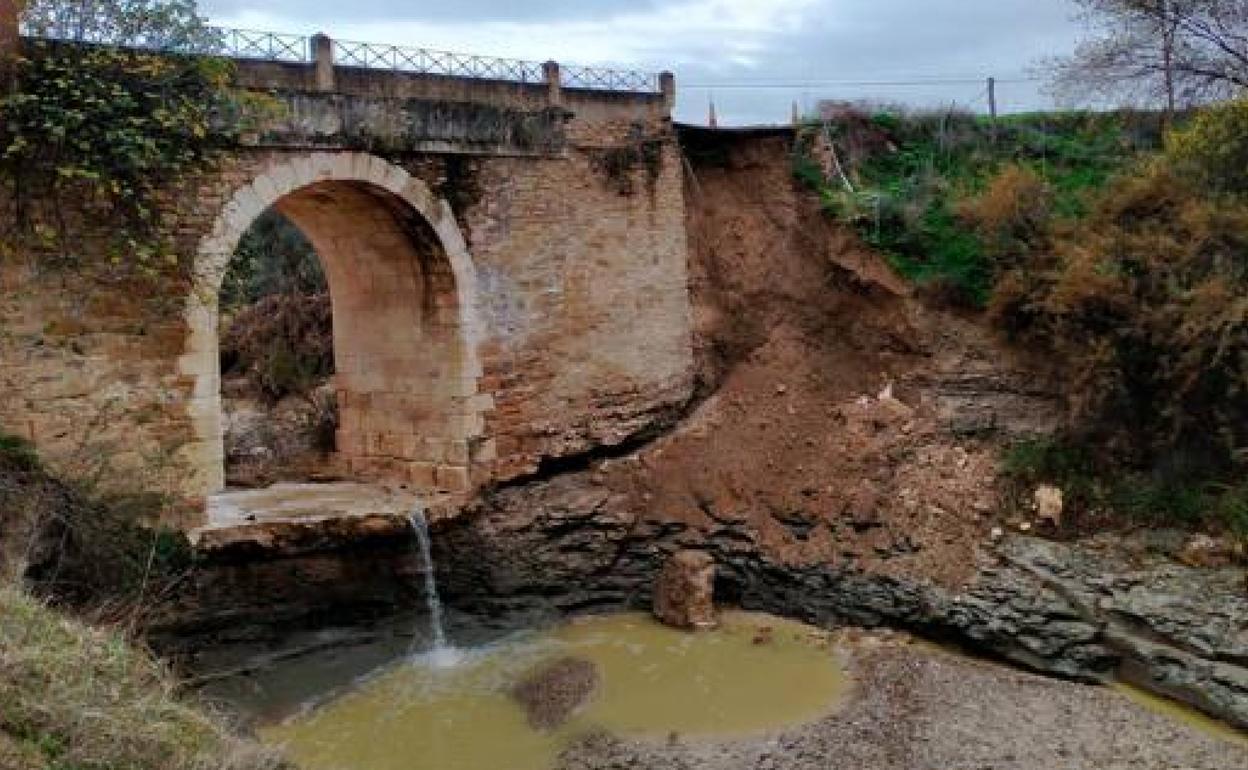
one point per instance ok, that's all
(506, 256)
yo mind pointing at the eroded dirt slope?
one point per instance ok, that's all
(843, 423)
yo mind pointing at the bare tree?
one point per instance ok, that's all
(154, 24)
(1172, 53)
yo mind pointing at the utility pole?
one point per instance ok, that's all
(1169, 34)
(992, 105)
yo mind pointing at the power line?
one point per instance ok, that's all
(742, 85)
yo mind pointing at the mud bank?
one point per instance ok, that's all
(912, 711)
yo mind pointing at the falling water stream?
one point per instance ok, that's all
(441, 654)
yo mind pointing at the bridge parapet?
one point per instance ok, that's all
(325, 54)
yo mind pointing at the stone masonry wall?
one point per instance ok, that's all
(565, 318)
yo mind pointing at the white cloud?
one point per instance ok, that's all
(736, 31)
(724, 41)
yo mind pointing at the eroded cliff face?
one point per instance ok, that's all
(841, 423)
(841, 466)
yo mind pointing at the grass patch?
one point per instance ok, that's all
(918, 176)
(77, 698)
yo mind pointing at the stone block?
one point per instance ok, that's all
(454, 479)
(422, 475)
(684, 591)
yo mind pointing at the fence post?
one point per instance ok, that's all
(554, 83)
(323, 60)
(667, 85)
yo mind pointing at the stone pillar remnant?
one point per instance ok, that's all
(667, 85)
(554, 82)
(323, 57)
(684, 592)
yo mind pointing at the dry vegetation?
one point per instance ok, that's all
(74, 697)
(1122, 258)
(77, 698)
(282, 345)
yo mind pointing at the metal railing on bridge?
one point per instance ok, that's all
(597, 78)
(427, 61)
(257, 45)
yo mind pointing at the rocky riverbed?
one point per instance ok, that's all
(914, 708)
(1086, 612)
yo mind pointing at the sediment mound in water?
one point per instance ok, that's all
(556, 691)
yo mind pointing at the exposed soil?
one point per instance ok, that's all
(843, 422)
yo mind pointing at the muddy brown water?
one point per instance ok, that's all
(363, 703)
(754, 675)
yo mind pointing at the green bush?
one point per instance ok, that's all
(1212, 150)
(919, 176)
(1143, 305)
(1094, 488)
(273, 257)
(17, 453)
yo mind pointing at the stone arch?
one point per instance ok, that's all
(403, 290)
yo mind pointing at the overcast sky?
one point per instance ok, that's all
(805, 49)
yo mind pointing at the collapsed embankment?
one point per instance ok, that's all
(840, 464)
(842, 468)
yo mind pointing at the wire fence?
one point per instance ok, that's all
(257, 45)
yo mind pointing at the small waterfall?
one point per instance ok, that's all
(441, 654)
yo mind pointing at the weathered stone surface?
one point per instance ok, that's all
(1179, 631)
(494, 308)
(1042, 606)
(556, 691)
(684, 592)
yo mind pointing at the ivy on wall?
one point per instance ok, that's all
(105, 129)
